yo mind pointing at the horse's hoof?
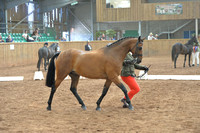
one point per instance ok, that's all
(83, 107)
(98, 109)
(49, 108)
(130, 107)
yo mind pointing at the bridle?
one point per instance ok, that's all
(136, 51)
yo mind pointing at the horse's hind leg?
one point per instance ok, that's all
(45, 64)
(123, 88)
(55, 86)
(176, 56)
(53, 90)
(73, 88)
(105, 90)
(38, 64)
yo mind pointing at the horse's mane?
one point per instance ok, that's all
(116, 42)
(53, 45)
(190, 42)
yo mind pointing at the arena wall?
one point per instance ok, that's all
(27, 53)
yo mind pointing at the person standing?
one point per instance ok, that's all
(128, 76)
(156, 37)
(88, 47)
(195, 54)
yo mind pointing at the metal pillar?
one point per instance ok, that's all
(196, 27)
(92, 25)
(139, 28)
(6, 20)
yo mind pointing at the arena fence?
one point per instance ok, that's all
(19, 54)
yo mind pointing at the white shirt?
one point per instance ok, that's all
(25, 35)
(151, 38)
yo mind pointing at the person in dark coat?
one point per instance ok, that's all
(88, 47)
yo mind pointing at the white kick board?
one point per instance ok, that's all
(12, 78)
(169, 77)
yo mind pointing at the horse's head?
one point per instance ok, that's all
(136, 50)
(193, 40)
(54, 47)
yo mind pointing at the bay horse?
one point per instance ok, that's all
(103, 63)
(185, 49)
(46, 53)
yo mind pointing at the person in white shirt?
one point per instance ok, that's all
(25, 35)
(151, 37)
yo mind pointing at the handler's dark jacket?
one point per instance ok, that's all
(88, 47)
(129, 66)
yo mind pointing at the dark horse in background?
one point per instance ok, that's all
(46, 53)
(104, 63)
(185, 49)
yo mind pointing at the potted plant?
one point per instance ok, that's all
(111, 33)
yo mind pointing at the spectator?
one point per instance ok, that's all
(151, 37)
(88, 47)
(9, 39)
(1, 39)
(35, 34)
(195, 54)
(64, 39)
(156, 36)
(103, 37)
(29, 39)
(25, 35)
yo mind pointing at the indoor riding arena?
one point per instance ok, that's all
(163, 105)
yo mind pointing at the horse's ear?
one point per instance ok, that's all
(139, 39)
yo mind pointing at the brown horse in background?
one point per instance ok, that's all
(104, 63)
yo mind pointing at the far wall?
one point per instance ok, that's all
(83, 12)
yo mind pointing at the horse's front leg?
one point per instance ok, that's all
(189, 60)
(73, 88)
(123, 88)
(184, 60)
(105, 90)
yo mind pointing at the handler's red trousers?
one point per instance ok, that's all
(132, 84)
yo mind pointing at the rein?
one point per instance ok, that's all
(143, 73)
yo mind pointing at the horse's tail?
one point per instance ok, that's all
(173, 52)
(50, 78)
